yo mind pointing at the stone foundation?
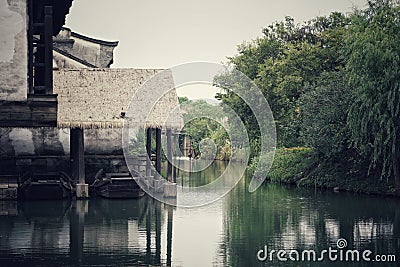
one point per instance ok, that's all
(82, 191)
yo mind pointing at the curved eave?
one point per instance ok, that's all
(93, 40)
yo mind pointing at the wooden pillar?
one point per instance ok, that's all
(77, 156)
(148, 233)
(158, 150)
(30, 47)
(148, 149)
(185, 154)
(175, 139)
(76, 233)
(169, 156)
(158, 232)
(48, 49)
(169, 235)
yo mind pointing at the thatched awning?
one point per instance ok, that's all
(96, 98)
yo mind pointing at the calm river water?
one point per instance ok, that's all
(229, 232)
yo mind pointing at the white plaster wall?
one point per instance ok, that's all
(13, 50)
(64, 135)
(35, 141)
(22, 141)
(103, 141)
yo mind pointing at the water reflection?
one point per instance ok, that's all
(82, 233)
(228, 232)
(300, 219)
(196, 179)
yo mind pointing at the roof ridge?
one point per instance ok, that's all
(90, 39)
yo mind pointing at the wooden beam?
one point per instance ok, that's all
(37, 111)
(158, 150)
(77, 155)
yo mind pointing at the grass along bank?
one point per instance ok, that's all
(302, 167)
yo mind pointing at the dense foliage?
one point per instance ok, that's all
(202, 123)
(373, 51)
(333, 84)
(284, 64)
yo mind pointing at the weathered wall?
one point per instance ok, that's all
(47, 149)
(13, 50)
(46, 141)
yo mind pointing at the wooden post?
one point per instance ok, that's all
(77, 155)
(30, 47)
(48, 49)
(77, 231)
(170, 219)
(148, 233)
(157, 212)
(175, 139)
(185, 154)
(148, 149)
(169, 156)
(158, 150)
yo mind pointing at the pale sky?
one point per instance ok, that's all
(165, 33)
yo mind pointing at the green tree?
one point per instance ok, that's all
(373, 53)
(284, 64)
(324, 110)
(204, 125)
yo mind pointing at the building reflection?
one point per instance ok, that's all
(85, 232)
(100, 232)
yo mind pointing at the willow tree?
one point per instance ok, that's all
(374, 68)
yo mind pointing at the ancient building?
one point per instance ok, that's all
(75, 51)
(56, 86)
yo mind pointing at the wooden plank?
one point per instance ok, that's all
(36, 112)
(22, 107)
(20, 116)
(43, 116)
(114, 175)
(5, 116)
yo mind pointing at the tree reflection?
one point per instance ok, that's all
(300, 219)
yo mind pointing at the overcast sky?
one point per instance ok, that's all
(165, 33)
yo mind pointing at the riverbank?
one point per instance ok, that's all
(300, 166)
